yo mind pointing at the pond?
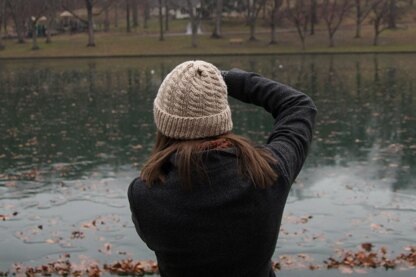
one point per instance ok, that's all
(74, 133)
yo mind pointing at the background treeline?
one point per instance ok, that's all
(22, 19)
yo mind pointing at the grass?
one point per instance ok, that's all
(139, 43)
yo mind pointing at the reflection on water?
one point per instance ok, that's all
(73, 134)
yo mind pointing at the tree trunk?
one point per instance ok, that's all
(2, 15)
(91, 41)
(194, 23)
(313, 17)
(273, 39)
(331, 40)
(135, 13)
(357, 18)
(218, 17)
(376, 33)
(161, 38)
(35, 45)
(392, 14)
(107, 20)
(358, 30)
(20, 33)
(275, 15)
(167, 15)
(194, 35)
(116, 15)
(48, 31)
(248, 12)
(128, 27)
(146, 14)
(1, 39)
(5, 21)
(20, 30)
(252, 30)
(305, 24)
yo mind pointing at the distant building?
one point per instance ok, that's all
(178, 9)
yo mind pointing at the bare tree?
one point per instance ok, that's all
(128, 7)
(107, 19)
(5, 17)
(313, 17)
(20, 13)
(218, 17)
(116, 14)
(2, 15)
(167, 15)
(274, 16)
(392, 14)
(297, 11)
(51, 10)
(380, 18)
(333, 12)
(38, 8)
(254, 8)
(161, 37)
(195, 19)
(89, 5)
(146, 13)
(135, 13)
(362, 10)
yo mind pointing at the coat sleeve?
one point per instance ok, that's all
(293, 112)
(131, 197)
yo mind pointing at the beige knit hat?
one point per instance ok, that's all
(192, 102)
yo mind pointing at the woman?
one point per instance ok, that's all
(208, 202)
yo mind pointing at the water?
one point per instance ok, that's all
(75, 133)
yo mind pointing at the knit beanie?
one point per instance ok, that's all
(192, 102)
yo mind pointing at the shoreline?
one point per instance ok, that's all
(178, 55)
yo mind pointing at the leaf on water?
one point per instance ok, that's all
(106, 249)
(77, 235)
(345, 269)
(130, 267)
(367, 246)
(137, 147)
(314, 267)
(3, 217)
(88, 225)
(375, 226)
(50, 241)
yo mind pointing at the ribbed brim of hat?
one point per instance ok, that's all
(192, 127)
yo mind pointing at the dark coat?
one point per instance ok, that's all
(225, 226)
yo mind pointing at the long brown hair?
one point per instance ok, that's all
(254, 163)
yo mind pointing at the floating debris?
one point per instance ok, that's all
(349, 262)
(366, 258)
(77, 235)
(130, 267)
(4, 217)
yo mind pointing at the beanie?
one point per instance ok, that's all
(192, 102)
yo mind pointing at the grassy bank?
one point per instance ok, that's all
(141, 44)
